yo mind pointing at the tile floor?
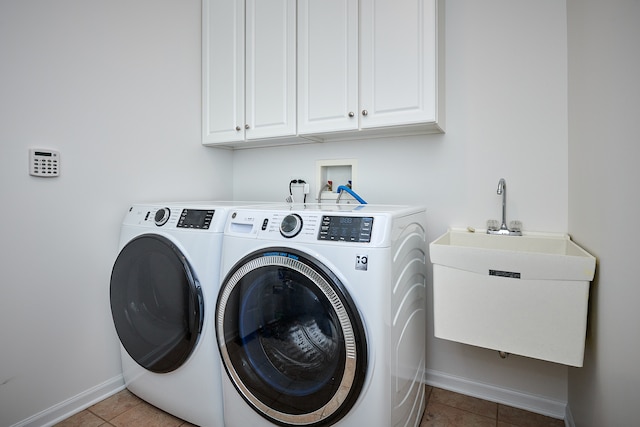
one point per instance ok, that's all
(444, 409)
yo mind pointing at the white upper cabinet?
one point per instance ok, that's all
(249, 70)
(327, 65)
(371, 64)
(223, 80)
(398, 46)
(282, 71)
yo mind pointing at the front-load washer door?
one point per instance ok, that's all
(290, 337)
(156, 303)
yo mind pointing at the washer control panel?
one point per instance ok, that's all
(301, 226)
(346, 228)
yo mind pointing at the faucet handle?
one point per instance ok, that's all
(493, 224)
(515, 225)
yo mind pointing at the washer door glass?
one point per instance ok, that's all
(156, 303)
(290, 338)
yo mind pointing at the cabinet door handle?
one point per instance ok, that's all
(238, 128)
(246, 126)
(351, 114)
(365, 113)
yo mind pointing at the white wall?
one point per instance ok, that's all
(506, 78)
(115, 86)
(604, 203)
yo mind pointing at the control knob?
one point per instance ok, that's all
(291, 225)
(162, 216)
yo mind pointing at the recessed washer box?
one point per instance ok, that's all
(339, 172)
(525, 295)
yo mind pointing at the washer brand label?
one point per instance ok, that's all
(362, 261)
(282, 254)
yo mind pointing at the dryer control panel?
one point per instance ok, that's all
(195, 218)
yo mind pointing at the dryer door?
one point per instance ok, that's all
(156, 303)
(290, 337)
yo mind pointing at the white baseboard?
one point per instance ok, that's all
(568, 419)
(530, 402)
(73, 405)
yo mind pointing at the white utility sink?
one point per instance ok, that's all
(524, 295)
(536, 256)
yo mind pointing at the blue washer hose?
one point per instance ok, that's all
(353, 193)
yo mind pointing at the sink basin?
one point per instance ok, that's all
(525, 295)
(536, 256)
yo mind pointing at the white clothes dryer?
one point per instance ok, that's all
(320, 319)
(163, 290)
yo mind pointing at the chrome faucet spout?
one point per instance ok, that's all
(492, 225)
(502, 190)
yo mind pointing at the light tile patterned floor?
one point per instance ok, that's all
(449, 409)
(444, 409)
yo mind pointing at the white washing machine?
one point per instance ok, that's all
(320, 319)
(164, 286)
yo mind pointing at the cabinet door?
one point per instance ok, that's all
(222, 71)
(328, 65)
(398, 62)
(270, 68)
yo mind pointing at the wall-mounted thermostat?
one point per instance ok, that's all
(44, 162)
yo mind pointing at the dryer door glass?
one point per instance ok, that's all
(156, 303)
(290, 337)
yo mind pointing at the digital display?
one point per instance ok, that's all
(195, 218)
(346, 228)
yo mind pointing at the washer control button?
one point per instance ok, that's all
(291, 225)
(162, 216)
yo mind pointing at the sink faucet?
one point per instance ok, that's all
(502, 190)
(492, 225)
